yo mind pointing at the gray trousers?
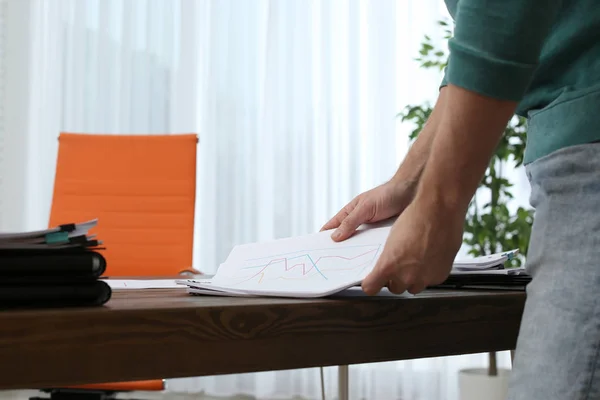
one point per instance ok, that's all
(558, 349)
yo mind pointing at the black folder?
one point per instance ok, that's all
(61, 263)
(81, 294)
(486, 281)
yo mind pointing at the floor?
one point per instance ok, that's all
(26, 394)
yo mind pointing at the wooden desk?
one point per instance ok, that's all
(167, 333)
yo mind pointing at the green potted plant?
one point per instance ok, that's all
(490, 226)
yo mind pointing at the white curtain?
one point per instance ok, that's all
(294, 102)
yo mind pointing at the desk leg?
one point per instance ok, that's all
(343, 382)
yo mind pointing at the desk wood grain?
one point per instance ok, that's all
(147, 334)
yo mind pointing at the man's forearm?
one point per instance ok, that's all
(413, 165)
(466, 138)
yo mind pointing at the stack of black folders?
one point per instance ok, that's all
(488, 272)
(57, 267)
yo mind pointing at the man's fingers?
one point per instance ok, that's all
(350, 223)
(332, 223)
(373, 283)
(398, 280)
(340, 216)
(376, 280)
(416, 288)
(396, 286)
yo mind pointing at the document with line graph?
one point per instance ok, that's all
(315, 266)
(304, 266)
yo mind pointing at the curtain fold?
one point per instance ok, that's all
(3, 141)
(294, 101)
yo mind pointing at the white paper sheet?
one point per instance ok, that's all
(207, 292)
(500, 271)
(130, 284)
(492, 261)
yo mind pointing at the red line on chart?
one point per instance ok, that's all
(305, 271)
(348, 269)
(346, 258)
(335, 269)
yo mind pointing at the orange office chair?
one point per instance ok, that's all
(142, 189)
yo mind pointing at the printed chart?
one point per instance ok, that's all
(323, 264)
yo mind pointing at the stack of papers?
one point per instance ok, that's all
(494, 264)
(313, 266)
(304, 266)
(65, 236)
(487, 273)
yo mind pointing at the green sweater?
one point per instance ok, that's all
(543, 54)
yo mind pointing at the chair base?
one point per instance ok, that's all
(101, 391)
(76, 394)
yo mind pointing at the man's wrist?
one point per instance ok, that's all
(410, 171)
(442, 192)
(413, 165)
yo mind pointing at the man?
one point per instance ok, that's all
(540, 59)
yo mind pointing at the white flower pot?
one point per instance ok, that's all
(475, 384)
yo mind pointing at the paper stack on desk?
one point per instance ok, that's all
(494, 264)
(59, 266)
(488, 272)
(67, 236)
(310, 266)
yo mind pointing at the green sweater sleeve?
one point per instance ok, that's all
(497, 44)
(445, 77)
(444, 81)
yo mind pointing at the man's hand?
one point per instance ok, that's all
(378, 204)
(391, 198)
(424, 240)
(419, 251)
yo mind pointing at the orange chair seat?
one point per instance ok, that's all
(146, 386)
(142, 190)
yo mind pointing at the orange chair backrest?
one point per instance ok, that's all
(141, 188)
